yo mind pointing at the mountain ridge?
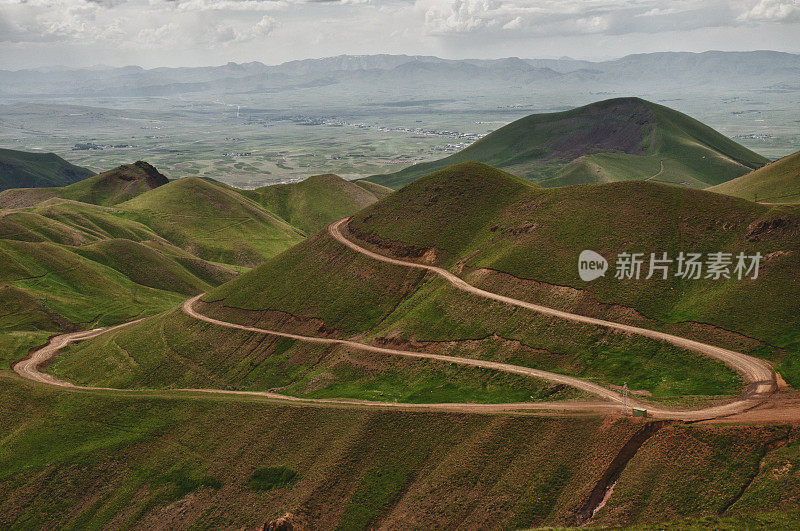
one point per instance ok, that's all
(638, 139)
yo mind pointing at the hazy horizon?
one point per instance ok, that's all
(154, 33)
(323, 57)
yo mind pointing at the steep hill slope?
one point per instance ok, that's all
(508, 236)
(612, 140)
(313, 203)
(212, 221)
(195, 462)
(538, 234)
(108, 188)
(19, 169)
(777, 182)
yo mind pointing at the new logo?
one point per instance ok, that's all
(591, 265)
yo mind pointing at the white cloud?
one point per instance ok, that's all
(230, 29)
(513, 24)
(773, 11)
(534, 17)
(230, 5)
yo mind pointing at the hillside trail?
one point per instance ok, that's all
(612, 401)
(758, 376)
(657, 174)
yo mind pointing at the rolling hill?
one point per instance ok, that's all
(512, 237)
(613, 140)
(20, 169)
(314, 202)
(212, 221)
(536, 234)
(71, 263)
(68, 265)
(777, 182)
(108, 188)
(506, 235)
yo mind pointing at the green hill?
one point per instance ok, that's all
(777, 182)
(509, 236)
(21, 169)
(537, 234)
(212, 221)
(103, 460)
(74, 263)
(152, 457)
(68, 265)
(108, 188)
(613, 140)
(312, 204)
(506, 235)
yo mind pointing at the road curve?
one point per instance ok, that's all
(757, 374)
(29, 369)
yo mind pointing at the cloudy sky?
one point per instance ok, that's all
(153, 33)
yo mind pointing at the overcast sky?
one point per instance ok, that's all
(153, 33)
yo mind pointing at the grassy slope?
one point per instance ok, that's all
(477, 220)
(108, 188)
(778, 182)
(115, 186)
(69, 223)
(81, 460)
(377, 190)
(77, 291)
(94, 245)
(321, 286)
(315, 202)
(174, 350)
(22, 169)
(638, 133)
(111, 264)
(212, 221)
(70, 265)
(537, 234)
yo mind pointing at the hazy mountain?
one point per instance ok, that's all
(654, 70)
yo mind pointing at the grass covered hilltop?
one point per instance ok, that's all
(614, 140)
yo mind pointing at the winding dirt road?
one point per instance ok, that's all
(753, 370)
(29, 368)
(759, 377)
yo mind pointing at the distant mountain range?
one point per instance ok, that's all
(763, 69)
